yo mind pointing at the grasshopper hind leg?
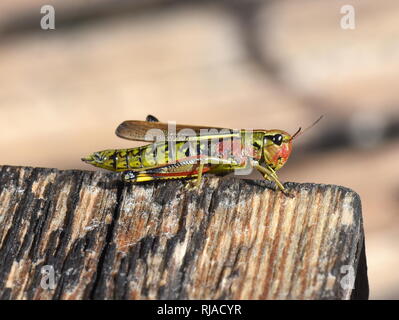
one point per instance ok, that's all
(135, 176)
(131, 176)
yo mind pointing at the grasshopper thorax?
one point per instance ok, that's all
(277, 147)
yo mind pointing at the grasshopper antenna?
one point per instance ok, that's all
(299, 132)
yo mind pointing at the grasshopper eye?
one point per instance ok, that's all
(277, 139)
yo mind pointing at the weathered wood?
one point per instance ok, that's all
(231, 239)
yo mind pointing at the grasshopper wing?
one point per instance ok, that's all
(151, 131)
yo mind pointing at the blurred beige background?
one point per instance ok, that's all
(241, 64)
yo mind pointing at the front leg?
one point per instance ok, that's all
(269, 174)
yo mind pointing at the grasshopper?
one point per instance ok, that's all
(194, 151)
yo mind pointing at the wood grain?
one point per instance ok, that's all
(230, 239)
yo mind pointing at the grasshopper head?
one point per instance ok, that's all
(277, 147)
(102, 159)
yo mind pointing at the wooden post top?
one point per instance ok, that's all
(230, 239)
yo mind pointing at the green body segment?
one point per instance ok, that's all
(218, 154)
